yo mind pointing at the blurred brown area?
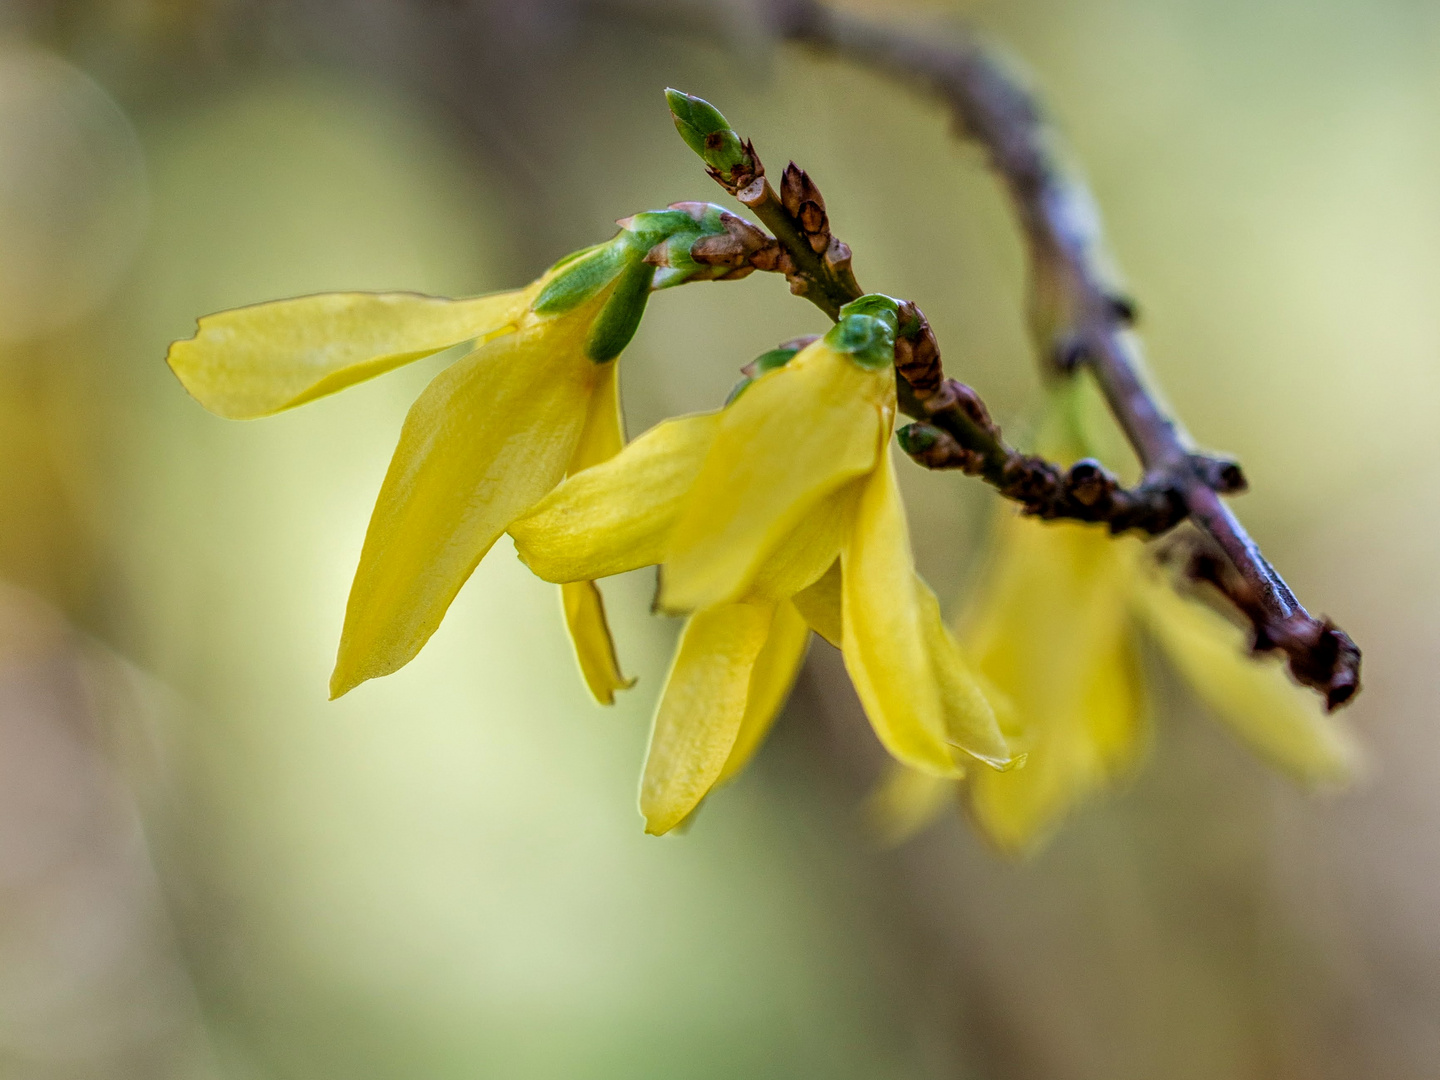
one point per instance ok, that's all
(443, 875)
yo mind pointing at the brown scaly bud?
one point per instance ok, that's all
(1090, 484)
(1221, 474)
(803, 201)
(917, 353)
(1032, 482)
(745, 175)
(735, 247)
(953, 394)
(742, 247)
(937, 449)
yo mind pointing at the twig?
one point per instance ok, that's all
(954, 428)
(1080, 319)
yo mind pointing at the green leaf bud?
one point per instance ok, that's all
(917, 438)
(707, 132)
(877, 304)
(866, 330)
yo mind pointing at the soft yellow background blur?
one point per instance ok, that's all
(207, 870)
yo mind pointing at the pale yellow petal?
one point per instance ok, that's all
(258, 360)
(701, 710)
(905, 801)
(1094, 741)
(810, 549)
(969, 716)
(796, 435)
(883, 634)
(485, 441)
(770, 682)
(1051, 632)
(820, 604)
(602, 438)
(604, 434)
(616, 515)
(1281, 721)
(590, 635)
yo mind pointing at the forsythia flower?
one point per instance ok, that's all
(1055, 630)
(489, 436)
(776, 514)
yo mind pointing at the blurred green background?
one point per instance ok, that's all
(209, 871)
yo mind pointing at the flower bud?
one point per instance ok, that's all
(709, 134)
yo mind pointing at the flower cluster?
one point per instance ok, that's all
(772, 517)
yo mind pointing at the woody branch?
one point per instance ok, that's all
(1079, 317)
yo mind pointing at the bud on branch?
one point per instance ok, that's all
(954, 429)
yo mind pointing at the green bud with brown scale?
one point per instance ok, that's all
(730, 159)
(651, 251)
(866, 330)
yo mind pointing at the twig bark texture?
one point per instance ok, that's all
(1079, 318)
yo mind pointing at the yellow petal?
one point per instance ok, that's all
(604, 433)
(1052, 633)
(601, 439)
(883, 635)
(820, 604)
(485, 441)
(258, 360)
(1281, 721)
(616, 515)
(701, 710)
(770, 682)
(969, 716)
(810, 549)
(594, 645)
(905, 801)
(794, 436)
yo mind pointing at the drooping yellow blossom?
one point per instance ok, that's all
(1056, 630)
(489, 436)
(776, 514)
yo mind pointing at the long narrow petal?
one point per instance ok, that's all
(584, 607)
(1052, 632)
(770, 682)
(969, 715)
(486, 440)
(258, 360)
(1280, 721)
(701, 710)
(594, 644)
(883, 635)
(794, 436)
(617, 515)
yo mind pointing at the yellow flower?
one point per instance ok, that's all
(776, 514)
(1056, 631)
(489, 436)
